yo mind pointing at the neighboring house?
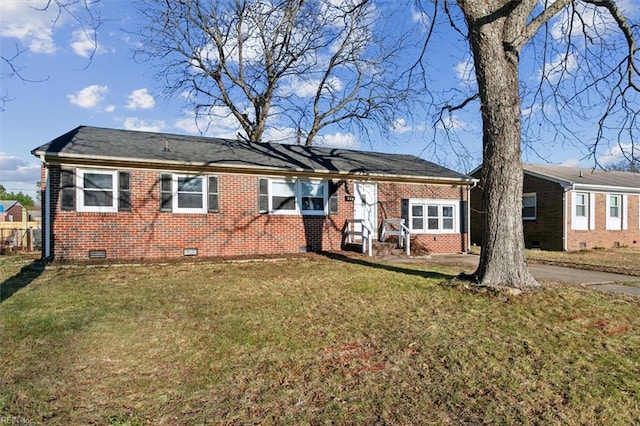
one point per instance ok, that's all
(570, 208)
(11, 211)
(132, 195)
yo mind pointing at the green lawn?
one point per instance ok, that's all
(308, 341)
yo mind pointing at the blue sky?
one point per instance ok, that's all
(67, 89)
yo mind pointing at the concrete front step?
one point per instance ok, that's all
(378, 249)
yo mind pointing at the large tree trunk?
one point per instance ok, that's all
(502, 259)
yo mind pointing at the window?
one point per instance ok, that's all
(100, 190)
(581, 205)
(432, 216)
(291, 196)
(283, 196)
(529, 206)
(312, 197)
(616, 208)
(97, 190)
(583, 211)
(417, 217)
(188, 193)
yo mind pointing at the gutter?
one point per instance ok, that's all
(47, 210)
(247, 169)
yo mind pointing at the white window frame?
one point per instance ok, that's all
(80, 191)
(325, 198)
(297, 193)
(174, 194)
(440, 204)
(530, 195)
(272, 209)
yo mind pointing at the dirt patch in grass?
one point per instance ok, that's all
(324, 340)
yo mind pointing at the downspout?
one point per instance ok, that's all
(47, 210)
(469, 188)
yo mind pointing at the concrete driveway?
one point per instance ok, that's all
(598, 280)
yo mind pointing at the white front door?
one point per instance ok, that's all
(365, 205)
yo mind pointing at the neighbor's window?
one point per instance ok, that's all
(529, 206)
(97, 190)
(616, 211)
(432, 216)
(581, 205)
(614, 206)
(582, 217)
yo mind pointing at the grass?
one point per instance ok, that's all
(623, 260)
(308, 341)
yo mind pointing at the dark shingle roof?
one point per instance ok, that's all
(585, 177)
(111, 145)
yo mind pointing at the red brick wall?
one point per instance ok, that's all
(601, 237)
(238, 229)
(390, 196)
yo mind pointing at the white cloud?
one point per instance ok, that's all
(307, 88)
(420, 17)
(616, 154)
(401, 126)
(280, 135)
(89, 97)
(220, 123)
(83, 43)
(338, 140)
(465, 71)
(140, 99)
(571, 162)
(133, 123)
(15, 169)
(593, 21)
(560, 67)
(22, 20)
(452, 122)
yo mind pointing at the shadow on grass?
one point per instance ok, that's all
(386, 267)
(23, 278)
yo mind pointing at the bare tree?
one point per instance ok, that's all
(82, 12)
(588, 54)
(307, 63)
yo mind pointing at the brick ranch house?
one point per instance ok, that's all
(569, 208)
(138, 195)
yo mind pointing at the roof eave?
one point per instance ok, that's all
(238, 168)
